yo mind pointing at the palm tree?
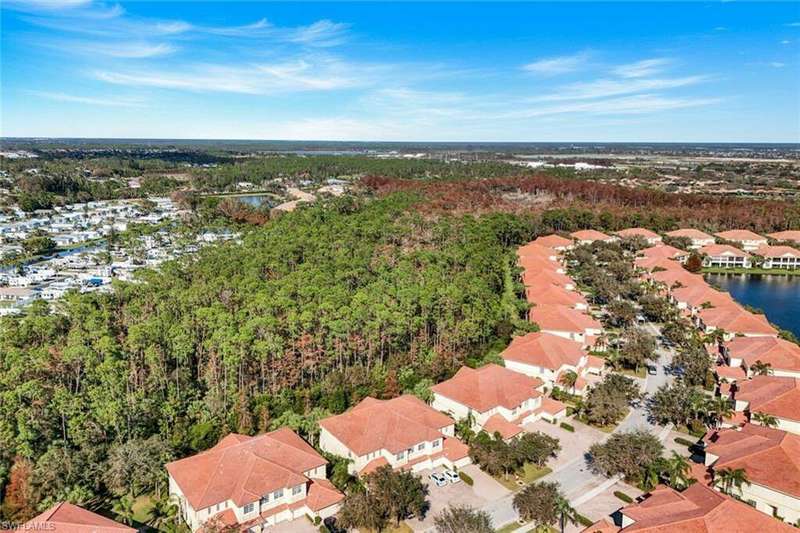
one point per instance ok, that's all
(718, 409)
(760, 368)
(565, 513)
(766, 420)
(677, 471)
(568, 379)
(728, 478)
(602, 341)
(651, 475)
(123, 508)
(716, 337)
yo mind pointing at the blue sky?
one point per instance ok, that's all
(690, 71)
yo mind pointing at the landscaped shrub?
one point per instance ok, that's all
(466, 478)
(568, 427)
(684, 442)
(583, 520)
(622, 496)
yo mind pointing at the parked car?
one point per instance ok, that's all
(652, 370)
(452, 476)
(438, 479)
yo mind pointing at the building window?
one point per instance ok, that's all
(297, 490)
(421, 447)
(249, 508)
(436, 443)
(400, 455)
(277, 494)
(264, 499)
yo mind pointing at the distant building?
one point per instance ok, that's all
(750, 241)
(725, 256)
(697, 237)
(651, 237)
(65, 517)
(779, 256)
(588, 236)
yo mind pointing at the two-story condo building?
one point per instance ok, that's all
(771, 460)
(697, 297)
(533, 278)
(782, 356)
(771, 395)
(665, 251)
(697, 237)
(725, 256)
(779, 256)
(697, 509)
(651, 237)
(497, 399)
(253, 482)
(750, 241)
(403, 432)
(548, 357)
(567, 322)
(547, 293)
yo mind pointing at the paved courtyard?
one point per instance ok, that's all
(299, 525)
(484, 491)
(604, 504)
(573, 445)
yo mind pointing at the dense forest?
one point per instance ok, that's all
(308, 315)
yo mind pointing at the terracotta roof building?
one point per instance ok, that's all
(551, 294)
(498, 399)
(588, 236)
(253, 482)
(546, 356)
(788, 236)
(725, 255)
(782, 356)
(697, 237)
(771, 460)
(776, 396)
(566, 322)
(779, 256)
(65, 517)
(403, 432)
(698, 509)
(698, 296)
(749, 240)
(556, 242)
(734, 319)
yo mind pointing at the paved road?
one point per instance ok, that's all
(578, 483)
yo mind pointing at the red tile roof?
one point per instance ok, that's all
(498, 424)
(563, 318)
(717, 250)
(543, 350)
(550, 294)
(740, 235)
(373, 465)
(663, 250)
(553, 241)
(638, 232)
(488, 387)
(552, 407)
(777, 396)
(535, 278)
(779, 353)
(65, 517)
(394, 425)
(242, 468)
(532, 249)
(697, 509)
(735, 319)
(789, 235)
(766, 250)
(601, 526)
(322, 494)
(694, 234)
(536, 264)
(672, 276)
(700, 293)
(735, 373)
(590, 235)
(770, 457)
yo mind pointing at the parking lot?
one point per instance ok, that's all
(484, 490)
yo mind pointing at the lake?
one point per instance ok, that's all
(777, 296)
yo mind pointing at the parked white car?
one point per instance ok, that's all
(452, 476)
(438, 479)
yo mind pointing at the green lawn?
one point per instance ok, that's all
(141, 508)
(530, 473)
(508, 528)
(641, 373)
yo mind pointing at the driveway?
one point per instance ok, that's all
(482, 494)
(298, 525)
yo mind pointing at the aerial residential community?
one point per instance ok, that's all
(399, 267)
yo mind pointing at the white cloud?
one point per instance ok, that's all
(89, 100)
(130, 50)
(643, 68)
(634, 104)
(552, 66)
(612, 87)
(321, 33)
(776, 64)
(45, 5)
